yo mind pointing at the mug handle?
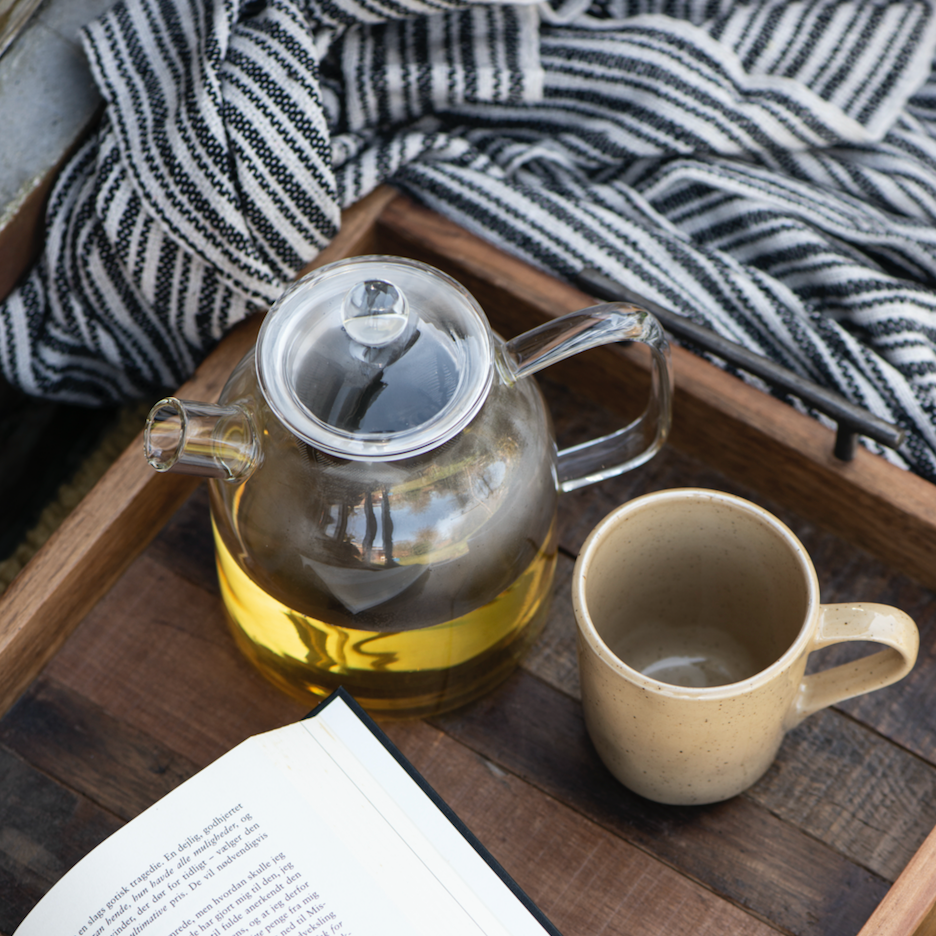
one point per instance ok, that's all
(839, 623)
(613, 454)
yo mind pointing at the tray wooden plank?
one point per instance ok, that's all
(63, 734)
(910, 906)
(46, 829)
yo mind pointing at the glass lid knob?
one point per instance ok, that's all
(375, 313)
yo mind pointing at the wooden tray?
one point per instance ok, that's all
(149, 688)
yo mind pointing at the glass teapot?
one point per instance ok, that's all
(384, 482)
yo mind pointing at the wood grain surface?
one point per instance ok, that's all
(150, 687)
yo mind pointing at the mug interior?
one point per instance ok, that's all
(695, 588)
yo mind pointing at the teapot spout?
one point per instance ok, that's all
(202, 439)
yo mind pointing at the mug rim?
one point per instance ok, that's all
(589, 632)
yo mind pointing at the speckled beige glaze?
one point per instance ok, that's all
(697, 556)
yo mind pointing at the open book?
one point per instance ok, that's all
(321, 828)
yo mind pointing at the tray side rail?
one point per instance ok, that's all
(909, 908)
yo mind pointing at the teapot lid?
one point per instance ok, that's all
(375, 358)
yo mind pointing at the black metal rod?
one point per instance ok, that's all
(852, 420)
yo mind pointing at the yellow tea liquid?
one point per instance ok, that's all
(399, 674)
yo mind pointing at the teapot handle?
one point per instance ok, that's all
(633, 445)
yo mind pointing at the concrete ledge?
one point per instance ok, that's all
(48, 102)
(13, 16)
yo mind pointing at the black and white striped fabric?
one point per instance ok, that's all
(765, 167)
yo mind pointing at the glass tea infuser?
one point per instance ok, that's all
(384, 481)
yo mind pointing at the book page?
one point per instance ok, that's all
(410, 814)
(276, 838)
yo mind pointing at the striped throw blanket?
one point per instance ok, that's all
(766, 167)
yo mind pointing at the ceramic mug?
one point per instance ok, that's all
(696, 613)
